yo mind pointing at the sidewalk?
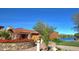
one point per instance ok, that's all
(68, 48)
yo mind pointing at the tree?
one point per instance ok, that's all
(76, 35)
(39, 27)
(5, 34)
(44, 31)
(76, 21)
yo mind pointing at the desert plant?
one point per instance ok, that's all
(5, 34)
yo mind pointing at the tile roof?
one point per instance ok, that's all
(21, 30)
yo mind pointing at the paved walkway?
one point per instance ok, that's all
(68, 48)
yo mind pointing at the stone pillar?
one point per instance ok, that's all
(15, 36)
(38, 45)
(29, 36)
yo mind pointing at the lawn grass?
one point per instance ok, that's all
(69, 43)
(59, 42)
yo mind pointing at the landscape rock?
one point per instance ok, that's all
(15, 46)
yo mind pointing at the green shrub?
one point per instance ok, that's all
(76, 35)
(57, 41)
(5, 34)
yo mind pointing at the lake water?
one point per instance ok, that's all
(67, 39)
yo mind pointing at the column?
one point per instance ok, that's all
(38, 45)
(29, 36)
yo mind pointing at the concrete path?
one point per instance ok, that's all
(68, 48)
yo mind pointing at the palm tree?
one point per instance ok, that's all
(44, 31)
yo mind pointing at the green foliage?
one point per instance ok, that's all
(5, 34)
(76, 34)
(44, 30)
(60, 42)
(39, 27)
(45, 36)
(57, 41)
(65, 36)
(76, 21)
(70, 44)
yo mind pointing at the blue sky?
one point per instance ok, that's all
(61, 18)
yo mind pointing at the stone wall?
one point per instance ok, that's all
(16, 46)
